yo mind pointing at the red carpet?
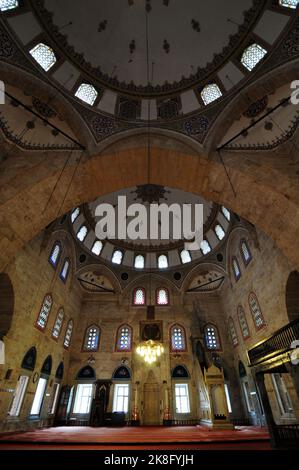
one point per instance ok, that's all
(142, 437)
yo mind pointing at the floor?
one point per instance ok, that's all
(151, 437)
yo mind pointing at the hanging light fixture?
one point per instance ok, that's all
(150, 350)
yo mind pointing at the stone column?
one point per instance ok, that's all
(260, 382)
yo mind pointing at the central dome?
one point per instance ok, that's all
(108, 38)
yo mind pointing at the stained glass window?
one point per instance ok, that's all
(289, 3)
(75, 214)
(178, 338)
(210, 93)
(44, 56)
(236, 268)
(58, 324)
(8, 5)
(243, 322)
(212, 337)
(139, 262)
(139, 296)
(162, 297)
(117, 257)
(245, 252)
(92, 337)
(185, 256)
(65, 270)
(219, 232)
(87, 93)
(225, 212)
(252, 56)
(124, 339)
(162, 262)
(256, 311)
(81, 235)
(205, 247)
(97, 247)
(68, 334)
(44, 312)
(233, 333)
(55, 254)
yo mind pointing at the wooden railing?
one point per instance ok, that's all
(280, 342)
(287, 435)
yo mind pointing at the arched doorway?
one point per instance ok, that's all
(292, 296)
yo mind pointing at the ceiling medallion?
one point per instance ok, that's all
(151, 193)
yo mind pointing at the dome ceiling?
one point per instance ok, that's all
(156, 195)
(83, 222)
(110, 37)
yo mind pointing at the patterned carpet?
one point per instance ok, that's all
(252, 437)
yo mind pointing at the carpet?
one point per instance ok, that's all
(139, 436)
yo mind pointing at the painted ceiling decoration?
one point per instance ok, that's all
(93, 281)
(29, 132)
(275, 129)
(207, 281)
(186, 98)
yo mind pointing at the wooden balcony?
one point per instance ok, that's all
(279, 343)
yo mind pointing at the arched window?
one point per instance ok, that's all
(162, 262)
(8, 4)
(81, 234)
(44, 312)
(44, 56)
(185, 256)
(252, 56)
(236, 268)
(65, 270)
(162, 296)
(232, 331)
(245, 252)
(243, 322)
(139, 296)
(205, 247)
(212, 337)
(97, 247)
(86, 93)
(55, 254)
(226, 213)
(68, 334)
(117, 257)
(92, 338)
(75, 214)
(177, 338)
(124, 339)
(58, 324)
(289, 3)
(139, 262)
(210, 93)
(220, 233)
(256, 312)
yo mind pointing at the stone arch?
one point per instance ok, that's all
(7, 300)
(292, 296)
(125, 166)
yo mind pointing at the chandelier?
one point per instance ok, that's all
(150, 350)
